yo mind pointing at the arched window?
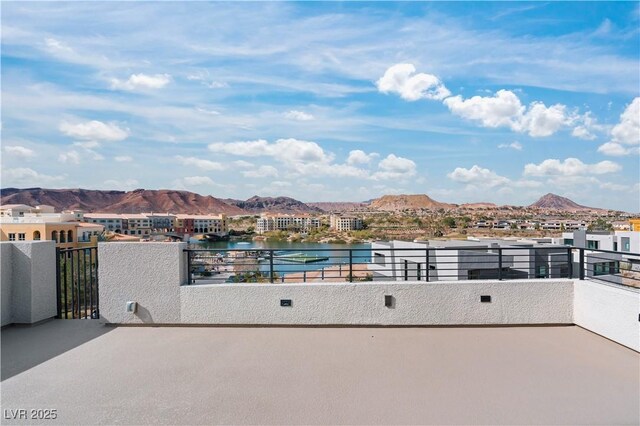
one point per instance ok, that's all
(62, 237)
(36, 235)
(54, 236)
(69, 236)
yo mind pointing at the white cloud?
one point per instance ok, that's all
(123, 159)
(94, 130)
(298, 115)
(26, 176)
(587, 128)
(394, 167)
(19, 151)
(141, 81)
(504, 109)
(243, 164)
(261, 172)
(495, 111)
(72, 157)
(200, 163)
(513, 145)
(626, 132)
(360, 157)
(570, 167)
(207, 111)
(197, 180)
(540, 121)
(205, 79)
(477, 176)
(56, 46)
(617, 150)
(293, 151)
(87, 144)
(121, 184)
(402, 79)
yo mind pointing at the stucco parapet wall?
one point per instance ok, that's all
(148, 273)
(414, 303)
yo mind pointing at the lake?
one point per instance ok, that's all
(337, 253)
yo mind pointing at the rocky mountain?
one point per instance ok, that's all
(337, 206)
(137, 201)
(258, 204)
(481, 205)
(555, 202)
(408, 202)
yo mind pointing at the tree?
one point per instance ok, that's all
(600, 225)
(449, 222)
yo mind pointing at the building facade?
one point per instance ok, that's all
(300, 223)
(345, 223)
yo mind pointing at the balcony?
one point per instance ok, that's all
(538, 351)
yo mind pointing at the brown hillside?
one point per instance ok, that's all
(137, 201)
(408, 202)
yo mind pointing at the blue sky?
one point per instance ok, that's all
(467, 102)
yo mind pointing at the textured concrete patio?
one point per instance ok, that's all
(92, 374)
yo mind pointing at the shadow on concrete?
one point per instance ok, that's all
(24, 347)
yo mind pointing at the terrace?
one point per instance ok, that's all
(553, 350)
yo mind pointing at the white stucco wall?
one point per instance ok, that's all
(416, 303)
(612, 312)
(6, 250)
(147, 273)
(28, 281)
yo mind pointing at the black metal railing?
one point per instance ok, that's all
(210, 266)
(77, 283)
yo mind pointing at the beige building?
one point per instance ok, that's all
(20, 222)
(345, 223)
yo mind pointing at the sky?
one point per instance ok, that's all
(325, 101)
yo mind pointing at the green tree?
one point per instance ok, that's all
(600, 225)
(449, 222)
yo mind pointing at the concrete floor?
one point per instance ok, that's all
(127, 375)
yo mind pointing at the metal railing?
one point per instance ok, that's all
(77, 283)
(409, 264)
(211, 266)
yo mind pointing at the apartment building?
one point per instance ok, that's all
(201, 224)
(112, 222)
(300, 223)
(345, 223)
(162, 222)
(36, 224)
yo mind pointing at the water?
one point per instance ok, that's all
(337, 253)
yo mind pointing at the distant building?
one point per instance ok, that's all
(467, 260)
(25, 223)
(345, 223)
(300, 223)
(634, 224)
(201, 224)
(112, 222)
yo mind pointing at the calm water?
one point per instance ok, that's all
(337, 253)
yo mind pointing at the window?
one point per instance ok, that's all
(606, 268)
(12, 237)
(593, 245)
(626, 244)
(615, 246)
(54, 236)
(69, 236)
(568, 241)
(21, 237)
(378, 259)
(542, 272)
(63, 237)
(36, 235)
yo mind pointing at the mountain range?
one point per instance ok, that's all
(166, 200)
